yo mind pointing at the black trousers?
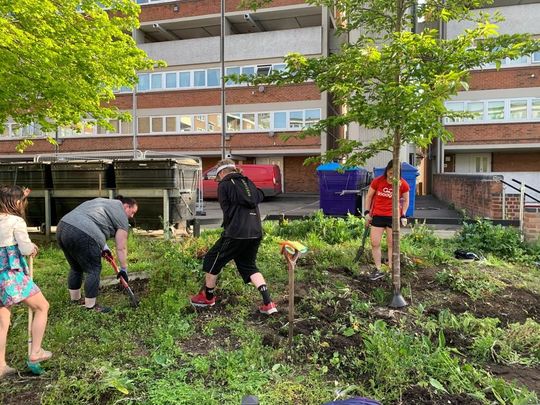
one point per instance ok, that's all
(83, 255)
(242, 251)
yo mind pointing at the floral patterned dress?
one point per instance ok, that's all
(15, 282)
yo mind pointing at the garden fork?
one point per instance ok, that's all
(291, 251)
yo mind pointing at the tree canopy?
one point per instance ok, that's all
(397, 75)
(60, 60)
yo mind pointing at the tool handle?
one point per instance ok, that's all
(30, 312)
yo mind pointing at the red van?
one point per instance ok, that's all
(267, 178)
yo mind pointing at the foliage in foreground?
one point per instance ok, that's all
(167, 353)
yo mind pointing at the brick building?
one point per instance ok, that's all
(503, 137)
(178, 108)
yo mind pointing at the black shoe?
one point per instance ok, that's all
(101, 309)
(376, 275)
(80, 301)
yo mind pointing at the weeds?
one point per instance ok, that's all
(166, 353)
(471, 280)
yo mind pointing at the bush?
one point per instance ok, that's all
(331, 230)
(481, 236)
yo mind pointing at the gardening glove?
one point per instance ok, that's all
(403, 221)
(123, 273)
(106, 252)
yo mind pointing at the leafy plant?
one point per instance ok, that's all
(472, 281)
(483, 237)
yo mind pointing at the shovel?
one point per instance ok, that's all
(291, 251)
(132, 298)
(362, 248)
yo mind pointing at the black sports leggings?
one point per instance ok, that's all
(83, 255)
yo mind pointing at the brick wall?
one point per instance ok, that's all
(515, 162)
(197, 8)
(512, 206)
(507, 78)
(478, 195)
(211, 97)
(299, 178)
(495, 133)
(531, 223)
(481, 196)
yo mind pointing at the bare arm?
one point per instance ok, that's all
(121, 238)
(405, 207)
(369, 198)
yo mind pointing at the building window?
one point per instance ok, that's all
(495, 110)
(212, 77)
(455, 106)
(126, 127)
(280, 120)
(232, 71)
(248, 122)
(233, 122)
(518, 109)
(535, 108)
(296, 119)
(170, 80)
(199, 123)
(199, 78)
(263, 120)
(214, 122)
(144, 82)
(481, 164)
(312, 117)
(184, 79)
(186, 124)
(157, 124)
(170, 124)
(476, 109)
(263, 70)
(156, 81)
(236, 122)
(248, 70)
(143, 125)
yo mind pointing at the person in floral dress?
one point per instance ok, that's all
(15, 282)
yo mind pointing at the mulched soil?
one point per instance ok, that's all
(419, 396)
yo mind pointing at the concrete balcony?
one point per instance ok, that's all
(242, 47)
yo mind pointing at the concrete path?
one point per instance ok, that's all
(428, 209)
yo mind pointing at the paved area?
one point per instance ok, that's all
(291, 205)
(428, 209)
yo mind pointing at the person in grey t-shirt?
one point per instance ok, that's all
(82, 235)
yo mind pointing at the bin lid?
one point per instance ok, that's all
(334, 167)
(405, 168)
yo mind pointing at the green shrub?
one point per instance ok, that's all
(481, 236)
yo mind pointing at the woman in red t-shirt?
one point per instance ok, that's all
(379, 214)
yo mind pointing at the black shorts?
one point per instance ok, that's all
(382, 222)
(242, 251)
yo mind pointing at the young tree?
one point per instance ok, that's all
(396, 79)
(61, 59)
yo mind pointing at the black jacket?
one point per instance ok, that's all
(239, 200)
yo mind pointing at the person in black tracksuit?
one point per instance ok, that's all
(241, 237)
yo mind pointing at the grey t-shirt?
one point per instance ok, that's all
(99, 218)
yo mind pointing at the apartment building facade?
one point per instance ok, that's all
(503, 136)
(178, 108)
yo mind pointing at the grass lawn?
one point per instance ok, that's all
(470, 335)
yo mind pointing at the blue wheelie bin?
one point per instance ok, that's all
(409, 173)
(332, 184)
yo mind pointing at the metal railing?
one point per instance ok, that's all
(522, 195)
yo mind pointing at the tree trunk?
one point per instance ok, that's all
(397, 299)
